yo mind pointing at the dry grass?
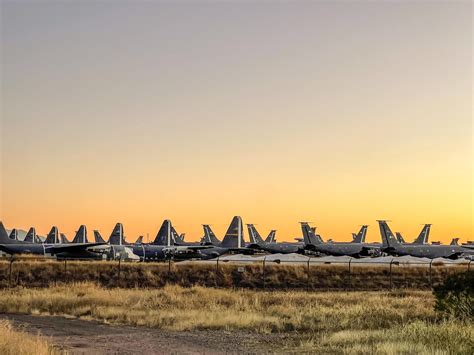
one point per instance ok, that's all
(16, 342)
(33, 273)
(330, 322)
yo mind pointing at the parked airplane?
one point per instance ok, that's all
(32, 237)
(393, 247)
(209, 236)
(420, 240)
(356, 250)
(360, 237)
(257, 242)
(271, 237)
(64, 239)
(61, 251)
(53, 236)
(233, 241)
(454, 241)
(14, 234)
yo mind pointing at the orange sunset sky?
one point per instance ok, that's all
(338, 113)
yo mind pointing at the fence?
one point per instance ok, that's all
(267, 273)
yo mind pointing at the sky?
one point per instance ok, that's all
(337, 113)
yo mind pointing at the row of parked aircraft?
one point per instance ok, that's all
(169, 244)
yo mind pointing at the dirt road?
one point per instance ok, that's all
(80, 336)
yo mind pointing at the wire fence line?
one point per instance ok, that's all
(267, 273)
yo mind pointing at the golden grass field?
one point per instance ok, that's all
(42, 273)
(324, 322)
(14, 342)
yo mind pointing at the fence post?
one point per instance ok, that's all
(10, 272)
(119, 268)
(391, 263)
(217, 270)
(264, 276)
(431, 276)
(350, 274)
(308, 275)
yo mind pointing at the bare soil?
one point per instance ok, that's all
(79, 336)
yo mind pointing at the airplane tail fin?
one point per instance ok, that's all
(98, 237)
(400, 238)
(209, 236)
(53, 236)
(117, 238)
(388, 239)
(4, 238)
(81, 235)
(139, 240)
(455, 241)
(14, 234)
(254, 236)
(309, 237)
(31, 236)
(424, 234)
(64, 239)
(179, 238)
(235, 230)
(360, 237)
(271, 237)
(165, 234)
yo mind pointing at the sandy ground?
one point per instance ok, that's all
(81, 336)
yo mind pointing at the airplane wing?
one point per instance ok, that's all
(62, 248)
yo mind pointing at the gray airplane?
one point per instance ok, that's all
(14, 234)
(64, 239)
(233, 241)
(420, 240)
(360, 237)
(32, 237)
(271, 237)
(354, 249)
(393, 247)
(53, 236)
(454, 241)
(80, 250)
(257, 242)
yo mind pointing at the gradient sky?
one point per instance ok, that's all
(339, 113)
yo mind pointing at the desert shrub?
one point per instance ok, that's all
(455, 297)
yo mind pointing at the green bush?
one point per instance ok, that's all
(455, 297)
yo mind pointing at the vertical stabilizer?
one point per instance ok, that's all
(209, 236)
(53, 236)
(234, 235)
(117, 238)
(4, 238)
(98, 237)
(164, 236)
(309, 237)
(254, 235)
(13, 234)
(388, 239)
(139, 240)
(31, 236)
(400, 238)
(64, 239)
(81, 235)
(360, 237)
(424, 235)
(455, 241)
(271, 237)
